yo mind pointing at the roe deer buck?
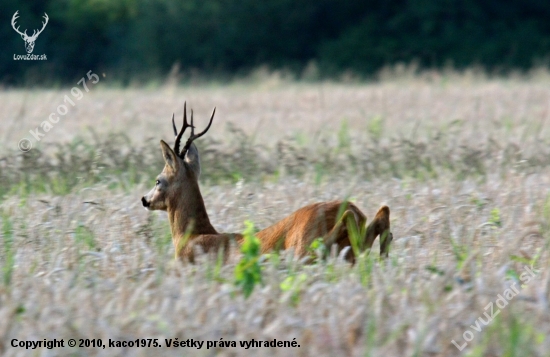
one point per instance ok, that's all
(177, 192)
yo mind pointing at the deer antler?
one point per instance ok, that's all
(185, 126)
(192, 137)
(13, 19)
(35, 35)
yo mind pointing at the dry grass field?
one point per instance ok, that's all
(463, 161)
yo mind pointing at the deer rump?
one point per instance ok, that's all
(329, 221)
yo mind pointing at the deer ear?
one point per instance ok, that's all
(170, 158)
(192, 159)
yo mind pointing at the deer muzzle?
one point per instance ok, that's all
(145, 203)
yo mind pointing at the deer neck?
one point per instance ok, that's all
(187, 213)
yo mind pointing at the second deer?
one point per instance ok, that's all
(177, 192)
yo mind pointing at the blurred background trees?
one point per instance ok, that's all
(143, 39)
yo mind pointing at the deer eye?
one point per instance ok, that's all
(157, 182)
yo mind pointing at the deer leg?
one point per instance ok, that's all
(380, 226)
(385, 240)
(340, 234)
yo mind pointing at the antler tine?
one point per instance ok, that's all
(13, 24)
(185, 126)
(174, 126)
(193, 136)
(43, 24)
(185, 113)
(192, 125)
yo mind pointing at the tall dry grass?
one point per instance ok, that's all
(463, 164)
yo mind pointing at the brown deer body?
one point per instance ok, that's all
(327, 220)
(177, 192)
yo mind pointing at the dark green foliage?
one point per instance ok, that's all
(493, 34)
(141, 39)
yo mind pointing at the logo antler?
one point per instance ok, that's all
(13, 19)
(29, 40)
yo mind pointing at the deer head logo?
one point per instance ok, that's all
(29, 40)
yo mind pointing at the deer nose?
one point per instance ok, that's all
(144, 202)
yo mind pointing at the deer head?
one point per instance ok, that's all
(178, 182)
(29, 40)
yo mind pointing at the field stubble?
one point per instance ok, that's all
(464, 168)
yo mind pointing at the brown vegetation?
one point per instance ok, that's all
(466, 174)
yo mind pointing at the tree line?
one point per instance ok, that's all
(143, 39)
